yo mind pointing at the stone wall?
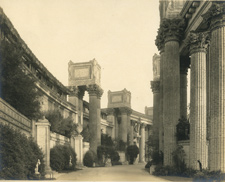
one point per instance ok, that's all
(10, 116)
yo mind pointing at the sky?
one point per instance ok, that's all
(119, 34)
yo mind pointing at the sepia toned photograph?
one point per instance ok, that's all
(112, 90)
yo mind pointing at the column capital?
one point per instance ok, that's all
(155, 86)
(76, 91)
(198, 42)
(110, 111)
(173, 29)
(95, 90)
(215, 15)
(125, 110)
(143, 125)
(159, 42)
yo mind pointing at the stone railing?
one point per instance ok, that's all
(10, 116)
(56, 139)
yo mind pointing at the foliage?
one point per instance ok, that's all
(183, 129)
(63, 126)
(17, 87)
(155, 154)
(207, 175)
(89, 158)
(120, 145)
(18, 155)
(107, 150)
(179, 160)
(85, 133)
(62, 157)
(132, 152)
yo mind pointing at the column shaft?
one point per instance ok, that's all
(123, 127)
(198, 142)
(161, 132)
(93, 122)
(171, 97)
(142, 144)
(217, 94)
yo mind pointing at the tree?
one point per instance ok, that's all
(132, 152)
(17, 87)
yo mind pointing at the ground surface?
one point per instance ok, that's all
(116, 173)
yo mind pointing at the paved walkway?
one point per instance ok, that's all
(116, 173)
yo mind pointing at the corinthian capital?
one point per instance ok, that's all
(95, 90)
(125, 110)
(159, 42)
(198, 42)
(155, 85)
(216, 15)
(172, 29)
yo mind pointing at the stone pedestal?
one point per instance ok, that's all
(216, 17)
(77, 144)
(43, 140)
(142, 144)
(198, 131)
(95, 93)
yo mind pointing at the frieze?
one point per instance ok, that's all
(155, 86)
(198, 42)
(95, 90)
(215, 15)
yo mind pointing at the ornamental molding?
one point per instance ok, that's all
(94, 90)
(155, 86)
(215, 15)
(198, 42)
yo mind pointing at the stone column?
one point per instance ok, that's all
(43, 140)
(124, 122)
(183, 88)
(142, 144)
(216, 17)
(76, 98)
(155, 85)
(130, 131)
(111, 119)
(198, 143)
(131, 142)
(95, 93)
(161, 131)
(171, 32)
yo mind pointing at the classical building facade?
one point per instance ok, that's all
(119, 122)
(191, 36)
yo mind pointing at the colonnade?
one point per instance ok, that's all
(171, 98)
